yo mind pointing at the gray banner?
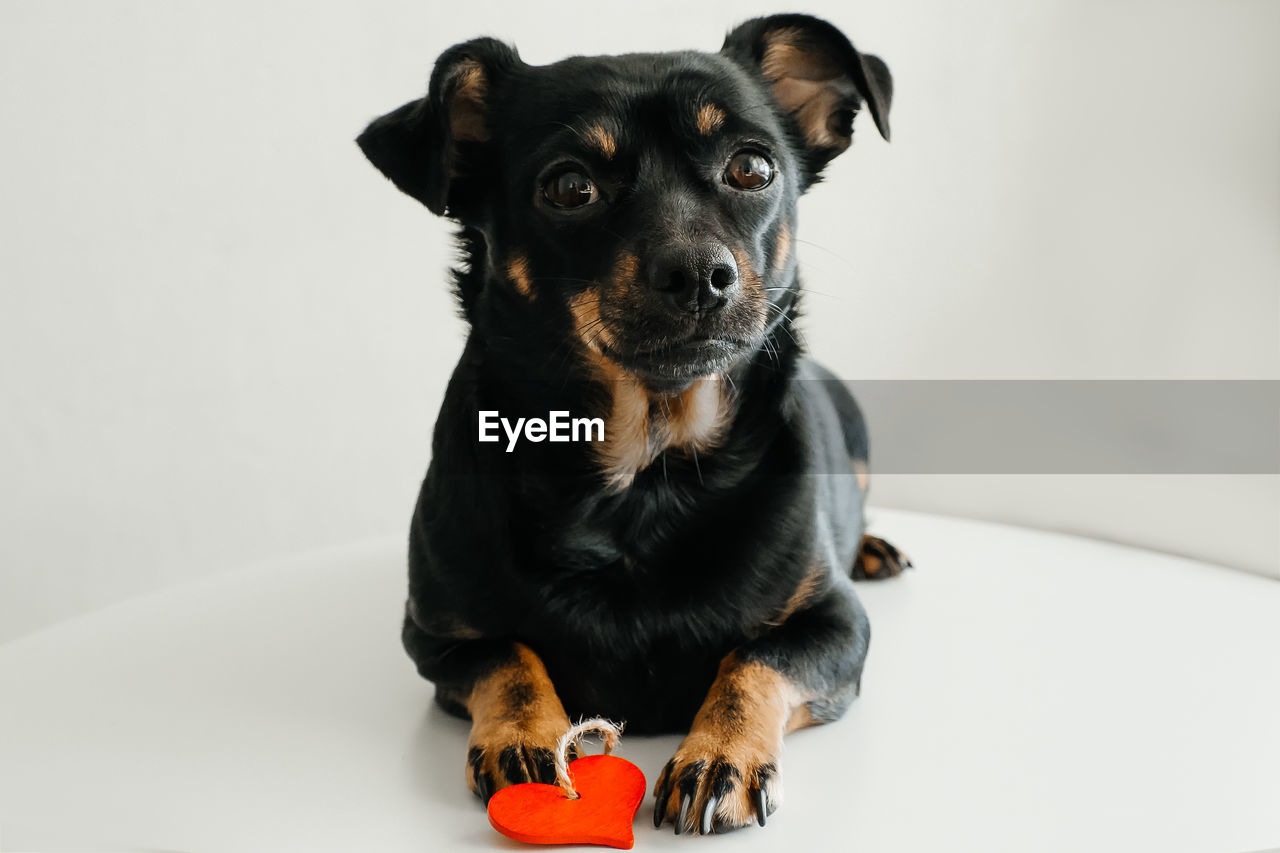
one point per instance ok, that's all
(1072, 427)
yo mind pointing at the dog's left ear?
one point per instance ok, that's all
(423, 146)
(817, 77)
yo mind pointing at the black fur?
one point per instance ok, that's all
(632, 596)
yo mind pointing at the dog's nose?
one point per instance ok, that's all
(696, 279)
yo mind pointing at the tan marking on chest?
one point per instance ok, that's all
(641, 426)
(626, 447)
(695, 418)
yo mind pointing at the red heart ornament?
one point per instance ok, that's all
(609, 793)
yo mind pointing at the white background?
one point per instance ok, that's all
(223, 335)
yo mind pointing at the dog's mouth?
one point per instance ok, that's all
(675, 365)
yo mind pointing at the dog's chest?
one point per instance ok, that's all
(640, 427)
(634, 532)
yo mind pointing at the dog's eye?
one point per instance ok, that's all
(749, 170)
(569, 189)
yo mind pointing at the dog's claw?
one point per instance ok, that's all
(761, 804)
(661, 796)
(708, 812)
(545, 765)
(685, 803)
(484, 787)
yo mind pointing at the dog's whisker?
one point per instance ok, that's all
(823, 248)
(782, 326)
(804, 289)
(772, 352)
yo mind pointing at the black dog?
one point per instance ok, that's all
(627, 231)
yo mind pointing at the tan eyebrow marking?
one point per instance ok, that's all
(710, 118)
(518, 272)
(603, 140)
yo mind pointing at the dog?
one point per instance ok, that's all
(627, 241)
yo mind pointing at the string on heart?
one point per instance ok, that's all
(609, 732)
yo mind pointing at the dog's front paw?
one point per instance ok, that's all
(717, 782)
(511, 753)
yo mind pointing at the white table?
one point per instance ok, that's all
(1025, 692)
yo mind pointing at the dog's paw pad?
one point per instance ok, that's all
(877, 559)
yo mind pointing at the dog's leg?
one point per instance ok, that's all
(803, 672)
(503, 687)
(876, 559)
(516, 720)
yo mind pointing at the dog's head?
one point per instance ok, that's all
(643, 202)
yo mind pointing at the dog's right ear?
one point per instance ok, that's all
(817, 78)
(424, 144)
